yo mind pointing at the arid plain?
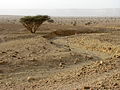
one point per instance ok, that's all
(73, 53)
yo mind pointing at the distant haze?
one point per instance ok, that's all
(59, 4)
(62, 12)
(60, 7)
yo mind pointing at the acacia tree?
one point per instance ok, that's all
(32, 23)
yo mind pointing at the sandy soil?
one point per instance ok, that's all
(59, 57)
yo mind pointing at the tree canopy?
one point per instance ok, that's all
(32, 23)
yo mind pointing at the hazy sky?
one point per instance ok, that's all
(59, 4)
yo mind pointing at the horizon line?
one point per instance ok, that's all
(56, 8)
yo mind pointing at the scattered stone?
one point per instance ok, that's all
(3, 62)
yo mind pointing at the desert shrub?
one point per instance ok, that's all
(88, 23)
(74, 23)
(32, 23)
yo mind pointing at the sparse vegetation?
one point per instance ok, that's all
(61, 54)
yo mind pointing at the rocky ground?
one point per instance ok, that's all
(59, 58)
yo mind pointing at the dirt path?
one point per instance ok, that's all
(65, 44)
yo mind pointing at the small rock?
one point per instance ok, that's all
(34, 86)
(14, 56)
(60, 58)
(101, 62)
(117, 56)
(3, 62)
(1, 77)
(72, 54)
(27, 48)
(109, 48)
(89, 57)
(54, 81)
(78, 74)
(115, 84)
(16, 52)
(75, 62)
(1, 71)
(46, 81)
(70, 49)
(76, 89)
(33, 59)
(7, 84)
(19, 57)
(62, 67)
(29, 79)
(61, 64)
(1, 82)
(51, 42)
(44, 47)
(87, 88)
(3, 52)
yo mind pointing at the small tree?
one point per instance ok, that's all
(32, 23)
